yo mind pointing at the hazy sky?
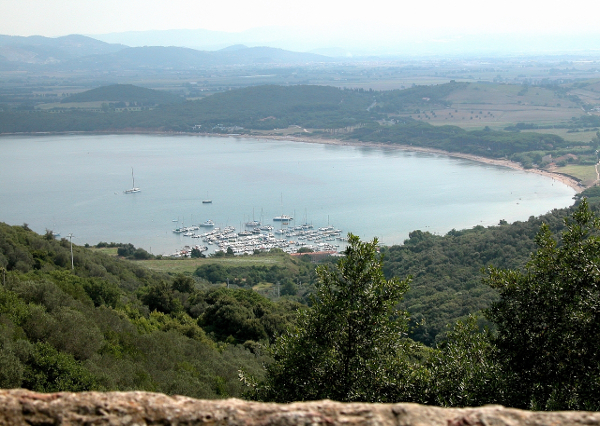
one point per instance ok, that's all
(62, 17)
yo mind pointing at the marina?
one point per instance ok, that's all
(262, 239)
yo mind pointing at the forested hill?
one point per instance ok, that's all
(124, 93)
(447, 270)
(112, 324)
(525, 148)
(37, 51)
(105, 324)
(259, 107)
(359, 115)
(271, 107)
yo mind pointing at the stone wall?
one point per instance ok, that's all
(22, 407)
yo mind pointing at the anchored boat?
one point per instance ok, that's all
(133, 188)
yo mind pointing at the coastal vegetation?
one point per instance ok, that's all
(110, 324)
(542, 354)
(396, 117)
(546, 319)
(351, 337)
(115, 324)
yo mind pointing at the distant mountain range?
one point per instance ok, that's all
(45, 50)
(159, 57)
(365, 40)
(201, 39)
(173, 50)
(82, 53)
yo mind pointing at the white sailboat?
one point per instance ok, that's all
(133, 188)
(284, 217)
(253, 223)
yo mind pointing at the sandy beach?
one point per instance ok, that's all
(573, 183)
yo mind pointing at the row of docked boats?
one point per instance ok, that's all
(188, 231)
(264, 239)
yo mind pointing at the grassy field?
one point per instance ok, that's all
(263, 288)
(500, 105)
(188, 266)
(111, 251)
(563, 133)
(587, 174)
(588, 91)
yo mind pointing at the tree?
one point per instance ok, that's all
(183, 284)
(289, 288)
(548, 320)
(196, 253)
(160, 297)
(348, 345)
(462, 371)
(49, 370)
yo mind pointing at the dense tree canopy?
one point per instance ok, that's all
(124, 93)
(111, 324)
(447, 279)
(548, 319)
(544, 354)
(349, 345)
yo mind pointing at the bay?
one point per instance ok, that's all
(75, 183)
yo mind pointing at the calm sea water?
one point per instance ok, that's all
(74, 184)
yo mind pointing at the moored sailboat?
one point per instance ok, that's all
(133, 187)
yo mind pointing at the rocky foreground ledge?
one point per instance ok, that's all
(22, 407)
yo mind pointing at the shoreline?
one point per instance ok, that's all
(564, 179)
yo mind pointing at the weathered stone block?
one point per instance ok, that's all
(22, 407)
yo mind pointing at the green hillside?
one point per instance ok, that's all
(542, 353)
(258, 107)
(355, 115)
(525, 148)
(124, 93)
(112, 324)
(447, 270)
(270, 107)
